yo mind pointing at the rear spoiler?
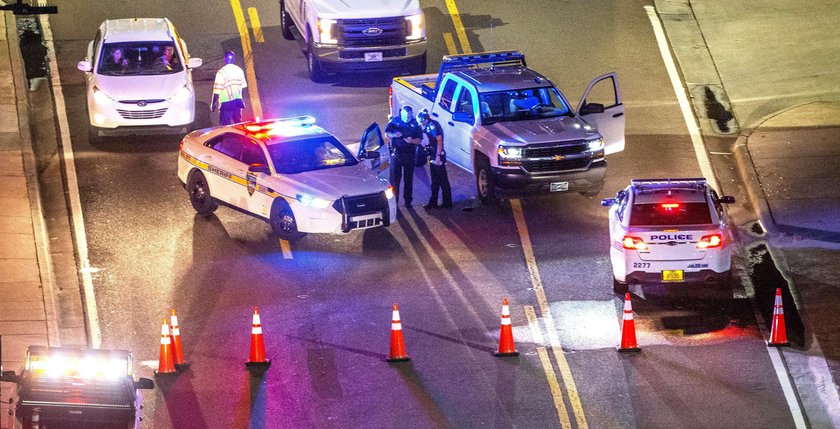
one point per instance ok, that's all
(452, 63)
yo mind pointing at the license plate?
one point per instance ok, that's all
(559, 186)
(373, 56)
(672, 276)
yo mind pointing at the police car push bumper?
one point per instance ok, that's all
(331, 220)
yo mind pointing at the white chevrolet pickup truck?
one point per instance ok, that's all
(357, 35)
(513, 129)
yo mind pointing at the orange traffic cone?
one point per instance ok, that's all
(506, 347)
(778, 333)
(628, 328)
(166, 365)
(175, 334)
(397, 352)
(257, 358)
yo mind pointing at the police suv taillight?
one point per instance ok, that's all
(710, 241)
(633, 243)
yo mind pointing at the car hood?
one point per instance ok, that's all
(549, 130)
(333, 183)
(160, 87)
(339, 9)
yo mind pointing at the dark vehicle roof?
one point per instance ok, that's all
(503, 78)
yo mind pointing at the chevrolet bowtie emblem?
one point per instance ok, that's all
(558, 157)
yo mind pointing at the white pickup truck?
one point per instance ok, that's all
(513, 129)
(343, 35)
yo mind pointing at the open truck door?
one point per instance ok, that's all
(602, 107)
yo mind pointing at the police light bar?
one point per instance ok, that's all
(687, 183)
(57, 362)
(270, 124)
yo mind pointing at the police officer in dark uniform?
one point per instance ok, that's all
(406, 135)
(437, 161)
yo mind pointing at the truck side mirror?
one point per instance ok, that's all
(84, 66)
(144, 383)
(258, 168)
(607, 202)
(727, 199)
(590, 108)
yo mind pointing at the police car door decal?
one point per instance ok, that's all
(252, 183)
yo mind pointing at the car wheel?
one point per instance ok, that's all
(199, 192)
(485, 188)
(285, 22)
(283, 221)
(619, 287)
(316, 73)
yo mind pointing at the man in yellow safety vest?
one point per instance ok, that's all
(227, 91)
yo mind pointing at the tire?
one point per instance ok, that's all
(619, 287)
(283, 221)
(199, 193)
(484, 186)
(316, 73)
(285, 22)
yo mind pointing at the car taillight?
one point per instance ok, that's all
(633, 243)
(181, 145)
(710, 241)
(391, 98)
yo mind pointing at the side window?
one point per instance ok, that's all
(447, 94)
(716, 202)
(251, 153)
(372, 142)
(227, 144)
(465, 102)
(604, 92)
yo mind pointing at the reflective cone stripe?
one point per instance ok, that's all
(778, 332)
(628, 328)
(257, 344)
(166, 364)
(506, 346)
(175, 334)
(397, 352)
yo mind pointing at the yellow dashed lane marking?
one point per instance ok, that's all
(286, 247)
(255, 24)
(459, 27)
(245, 37)
(450, 43)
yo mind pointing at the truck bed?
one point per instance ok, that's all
(422, 84)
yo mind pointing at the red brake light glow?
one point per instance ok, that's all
(710, 241)
(670, 206)
(633, 243)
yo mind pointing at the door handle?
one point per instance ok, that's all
(618, 114)
(435, 114)
(451, 124)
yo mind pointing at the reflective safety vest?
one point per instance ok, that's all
(230, 80)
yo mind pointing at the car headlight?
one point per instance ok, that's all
(326, 31)
(182, 95)
(415, 27)
(389, 193)
(100, 97)
(510, 156)
(309, 200)
(596, 145)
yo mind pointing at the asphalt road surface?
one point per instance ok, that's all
(326, 311)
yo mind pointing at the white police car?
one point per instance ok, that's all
(669, 231)
(290, 172)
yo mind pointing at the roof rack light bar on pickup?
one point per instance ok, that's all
(692, 183)
(495, 58)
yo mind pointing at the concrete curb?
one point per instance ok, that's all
(33, 187)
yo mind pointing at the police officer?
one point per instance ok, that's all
(227, 90)
(437, 161)
(406, 135)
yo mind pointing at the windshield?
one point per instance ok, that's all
(315, 153)
(523, 104)
(139, 58)
(670, 214)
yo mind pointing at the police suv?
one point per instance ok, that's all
(291, 173)
(669, 231)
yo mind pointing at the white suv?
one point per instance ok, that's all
(669, 231)
(139, 79)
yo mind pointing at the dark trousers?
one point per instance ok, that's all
(230, 112)
(440, 180)
(403, 167)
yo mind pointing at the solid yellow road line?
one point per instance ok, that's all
(450, 43)
(286, 247)
(553, 339)
(255, 24)
(250, 75)
(459, 27)
(553, 385)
